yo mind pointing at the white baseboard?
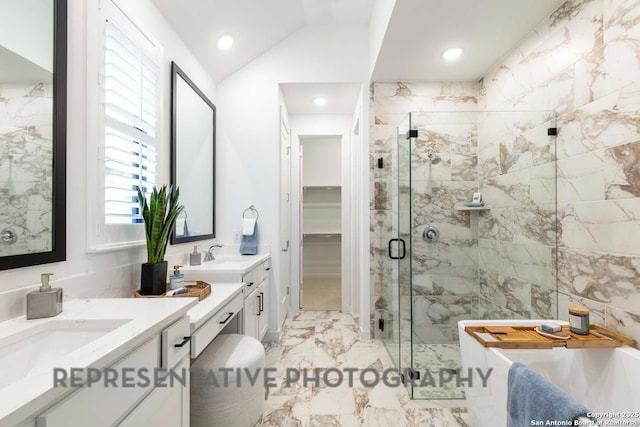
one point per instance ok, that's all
(271, 336)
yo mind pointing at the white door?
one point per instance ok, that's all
(301, 228)
(263, 309)
(285, 216)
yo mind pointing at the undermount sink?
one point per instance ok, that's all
(39, 349)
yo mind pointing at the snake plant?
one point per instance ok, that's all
(160, 214)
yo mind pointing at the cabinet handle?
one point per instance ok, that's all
(261, 302)
(227, 319)
(268, 268)
(184, 341)
(250, 284)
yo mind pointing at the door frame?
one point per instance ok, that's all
(358, 159)
(351, 288)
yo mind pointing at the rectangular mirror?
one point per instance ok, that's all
(33, 59)
(193, 148)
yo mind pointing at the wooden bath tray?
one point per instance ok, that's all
(517, 337)
(199, 290)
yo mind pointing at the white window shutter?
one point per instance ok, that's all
(131, 92)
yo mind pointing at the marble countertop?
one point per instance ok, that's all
(135, 320)
(226, 264)
(221, 293)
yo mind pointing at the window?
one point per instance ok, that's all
(130, 117)
(124, 112)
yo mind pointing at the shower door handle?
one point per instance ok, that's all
(402, 254)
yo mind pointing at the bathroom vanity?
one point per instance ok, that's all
(100, 333)
(238, 282)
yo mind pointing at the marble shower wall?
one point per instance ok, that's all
(517, 237)
(26, 165)
(439, 303)
(583, 63)
(445, 273)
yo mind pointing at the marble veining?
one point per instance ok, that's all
(26, 156)
(581, 64)
(324, 339)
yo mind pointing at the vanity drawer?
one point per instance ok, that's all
(175, 343)
(82, 408)
(203, 336)
(251, 280)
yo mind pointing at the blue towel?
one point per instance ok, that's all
(475, 205)
(249, 244)
(533, 398)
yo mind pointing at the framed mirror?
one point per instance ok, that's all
(193, 159)
(33, 96)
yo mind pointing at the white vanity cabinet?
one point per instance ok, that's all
(252, 272)
(256, 303)
(164, 404)
(163, 407)
(256, 311)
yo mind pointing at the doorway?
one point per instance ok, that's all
(321, 222)
(334, 255)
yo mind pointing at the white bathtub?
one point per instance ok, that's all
(603, 380)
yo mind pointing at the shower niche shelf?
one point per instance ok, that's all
(467, 208)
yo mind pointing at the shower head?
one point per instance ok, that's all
(434, 159)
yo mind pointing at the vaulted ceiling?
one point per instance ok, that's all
(414, 39)
(256, 25)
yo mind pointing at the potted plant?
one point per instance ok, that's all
(160, 214)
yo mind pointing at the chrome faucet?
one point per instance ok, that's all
(209, 255)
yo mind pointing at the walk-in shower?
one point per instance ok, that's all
(496, 262)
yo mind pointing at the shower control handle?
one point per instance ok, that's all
(8, 236)
(430, 234)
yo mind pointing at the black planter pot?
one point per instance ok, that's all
(153, 279)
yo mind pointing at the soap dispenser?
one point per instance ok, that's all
(45, 302)
(176, 280)
(195, 258)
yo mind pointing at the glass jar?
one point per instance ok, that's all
(579, 320)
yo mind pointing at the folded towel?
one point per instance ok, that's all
(475, 204)
(248, 225)
(533, 398)
(249, 244)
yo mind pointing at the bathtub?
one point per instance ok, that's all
(603, 380)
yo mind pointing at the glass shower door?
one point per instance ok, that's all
(385, 272)
(403, 223)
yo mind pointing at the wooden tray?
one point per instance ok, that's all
(199, 290)
(516, 337)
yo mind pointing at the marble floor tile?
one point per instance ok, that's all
(319, 341)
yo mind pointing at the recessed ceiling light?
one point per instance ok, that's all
(451, 54)
(320, 101)
(225, 42)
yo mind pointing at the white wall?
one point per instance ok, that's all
(380, 16)
(27, 29)
(322, 161)
(248, 122)
(115, 273)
